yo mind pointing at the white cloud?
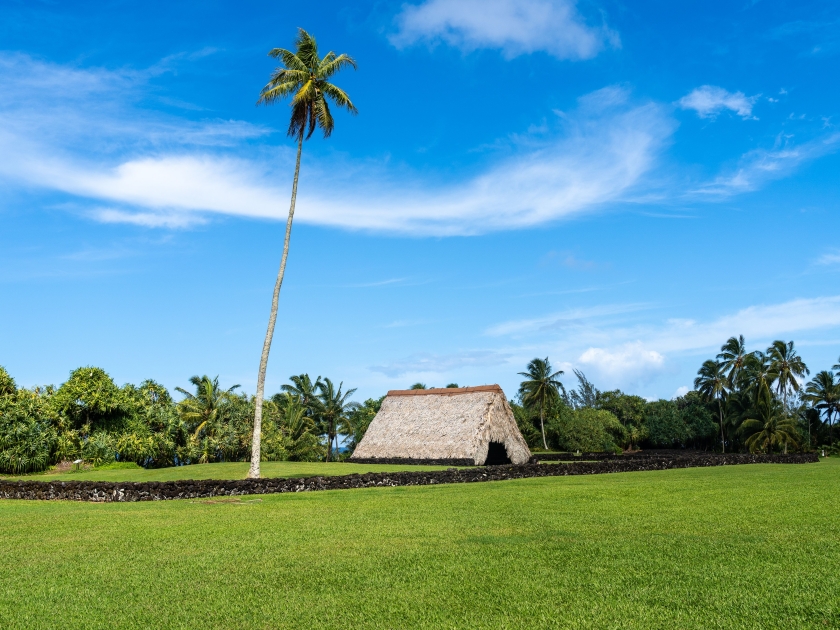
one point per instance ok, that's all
(709, 101)
(514, 26)
(631, 360)
(681, 391)
(759, 166)
(156, 170)
(426, 363)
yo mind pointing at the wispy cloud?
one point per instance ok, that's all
(515, 27)
(830, 258)
(757, 167)
(561, 320)
(426, 363)
(709, 101)
(155, 170)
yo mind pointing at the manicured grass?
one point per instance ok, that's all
(230, 470)
(725, 547)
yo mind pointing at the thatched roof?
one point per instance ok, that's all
(446, 425)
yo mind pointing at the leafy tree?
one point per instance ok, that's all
(304, 76)
(630, 410)
(91, 399)
(418, 386)
(540, 388)
(698, 419)
(824, 394)
(333, 406)
(7, 383)
(586, 394)
(27, 432)
(712, 384)
(665, 424)
(452, 386)
(585, 429)
(786, 366)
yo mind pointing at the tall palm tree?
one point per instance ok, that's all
(540, 388)
(333, 406)
(713, 383)
(785, 366)
(304, 76)
(824, 394)
(769, 426)
(732, 356)
(203, 408)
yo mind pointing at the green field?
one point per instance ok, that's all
(231, 470)
(728, 547)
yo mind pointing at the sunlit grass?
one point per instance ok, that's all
(726, 547)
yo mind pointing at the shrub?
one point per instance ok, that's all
(27, 432)
(587, 430)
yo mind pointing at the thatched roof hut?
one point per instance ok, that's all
(465, 426)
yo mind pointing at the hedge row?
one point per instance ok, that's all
(156, 491)
(656, 454)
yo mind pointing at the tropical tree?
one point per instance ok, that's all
(418, 386)
(303, 76)
(757, 376)
(785, 367)
(769, 427)
(712, 383)
(305, 390)
(205, 406)
(733, 355)
(824, 394)
(540, 388)
(333, 407)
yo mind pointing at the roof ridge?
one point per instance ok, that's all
(445, 391)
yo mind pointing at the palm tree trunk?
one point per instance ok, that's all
(542, 424)
(722, 439)
(254, 471)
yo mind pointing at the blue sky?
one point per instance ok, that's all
(617, 187)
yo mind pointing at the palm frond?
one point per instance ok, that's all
(331, 64)
(339, 96)
(307, 49)
(289, 59)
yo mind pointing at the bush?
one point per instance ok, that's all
(587, 430)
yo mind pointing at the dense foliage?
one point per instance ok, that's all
(90, 418)
(743, 401)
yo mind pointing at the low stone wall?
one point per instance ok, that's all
(407, 461)
(658, 454)
(102, 491)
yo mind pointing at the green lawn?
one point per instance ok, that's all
(726, 547)
(231, 470)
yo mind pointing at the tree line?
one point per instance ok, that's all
(90, 418)
(757, 401)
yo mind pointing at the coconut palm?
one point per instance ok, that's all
(304, 390)
(756, 376)
(540, 388)
(824, 394)
(304, 76)
(203, 408)
(713, 383)
(732, 356)
(333, 406)
(769, 427)
(785, 367)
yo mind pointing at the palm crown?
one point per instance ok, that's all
(540, 388)
(304, 76)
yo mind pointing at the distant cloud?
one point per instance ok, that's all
(681, 391)
(631, 360)
(438, 364)
(159, 170)
(514, 26)
(709, 101)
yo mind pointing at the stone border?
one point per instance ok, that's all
(102, 491)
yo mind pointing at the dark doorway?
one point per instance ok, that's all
(496, 455)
